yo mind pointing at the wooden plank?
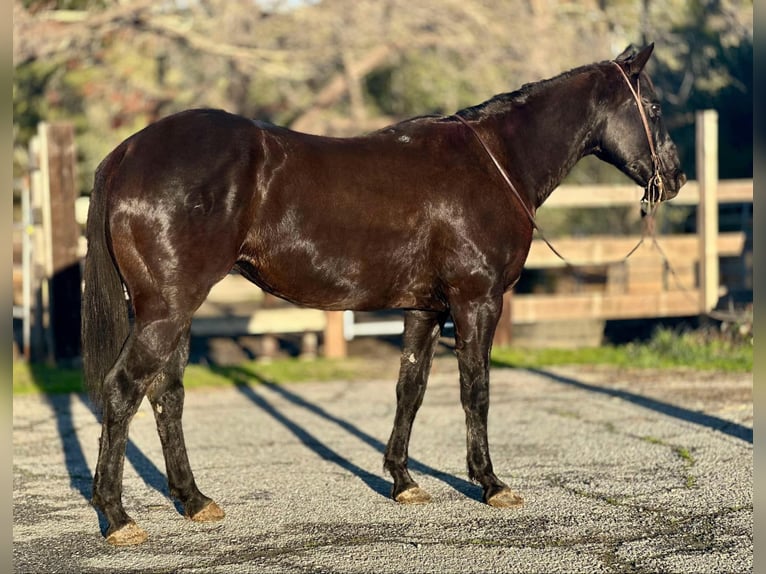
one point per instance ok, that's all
(594, 195)
(260, 322)
(18, 284)
(735, 191)
(603, 249)
(504, 331)
(233, 288)
(646, 273)
(613, 195)
(62, 161)
(531, 308)
(729, 191)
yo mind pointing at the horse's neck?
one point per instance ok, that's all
(548, 135)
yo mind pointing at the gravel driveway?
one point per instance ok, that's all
(620, 471)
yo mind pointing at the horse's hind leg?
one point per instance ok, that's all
(421, 332)
(144, 355)
(166, 395)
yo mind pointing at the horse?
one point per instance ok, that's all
(433, 215)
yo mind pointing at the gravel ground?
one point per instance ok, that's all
(621, 472)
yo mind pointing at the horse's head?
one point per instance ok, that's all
(635, 139)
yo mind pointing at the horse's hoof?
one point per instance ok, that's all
(413, 495)
(211, 513)
(506, 498)
(129, 535)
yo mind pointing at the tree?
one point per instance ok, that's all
(344, 67)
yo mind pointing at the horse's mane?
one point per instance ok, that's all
(501, 102)
(496, 104)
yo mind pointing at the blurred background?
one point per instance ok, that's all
(344, 67)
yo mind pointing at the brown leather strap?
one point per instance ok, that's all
(526, 209)
(655, 187)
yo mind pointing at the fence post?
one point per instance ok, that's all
(61, 287)
(27, 223)
(40, 344)
(504, 331)
(334, 341)
(707, 211)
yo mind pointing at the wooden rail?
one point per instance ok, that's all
(534, 308)
(602, 249)
(615, 195)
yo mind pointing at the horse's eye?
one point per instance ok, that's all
(655, 110)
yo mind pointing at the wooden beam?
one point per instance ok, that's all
(603, 249)
(729, 191)
(334, 341)
(613, 195)
(259, 322)
(532, 308)
(504, 331)
(707, 212)
(58, 161)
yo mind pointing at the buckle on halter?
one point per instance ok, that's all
(654, 193)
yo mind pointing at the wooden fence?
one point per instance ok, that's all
(646, 285)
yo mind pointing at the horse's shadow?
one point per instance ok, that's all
(715, 423)
(243, 377)
(80, 474)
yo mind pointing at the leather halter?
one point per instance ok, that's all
(655, 187)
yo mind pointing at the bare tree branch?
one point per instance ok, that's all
(47, 34)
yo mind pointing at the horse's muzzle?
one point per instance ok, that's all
(674, 184)
(661, 188)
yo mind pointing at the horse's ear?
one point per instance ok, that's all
(634, 60)
(627, 53)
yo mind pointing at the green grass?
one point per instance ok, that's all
(29, 378)
(43, 378)
(684, 454)
(696, 350)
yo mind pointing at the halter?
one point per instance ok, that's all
(655, 191)
(655, 187)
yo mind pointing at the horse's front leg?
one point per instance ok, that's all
(475, 323)
(166, 396)
(421, 332)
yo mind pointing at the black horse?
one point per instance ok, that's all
(416, 216)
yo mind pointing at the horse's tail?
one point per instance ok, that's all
(105, 321)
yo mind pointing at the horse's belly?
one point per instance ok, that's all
(336, 281)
